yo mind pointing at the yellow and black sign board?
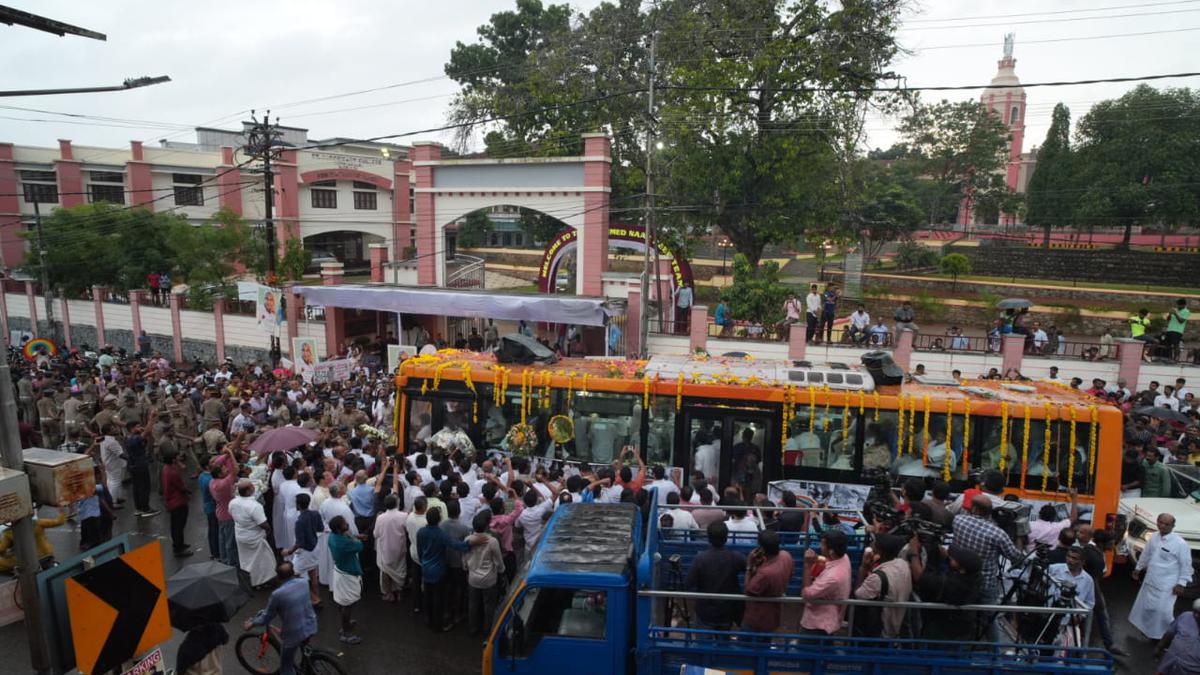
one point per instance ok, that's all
(118, 609)
(1176, 249)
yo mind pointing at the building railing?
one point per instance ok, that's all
(471, 272)
(956, 343)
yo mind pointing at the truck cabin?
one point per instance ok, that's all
(571, 606)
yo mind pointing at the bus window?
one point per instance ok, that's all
(879, 442)
(604, 423)
(986, 453)
(749, 438)
(554, 612)
(820, 444)
(705, 442)
(927, 456)
(420, 420)
(455, 430)
(660, 439)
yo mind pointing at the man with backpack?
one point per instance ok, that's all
(882, 576)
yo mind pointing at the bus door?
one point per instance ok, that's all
(730, 445)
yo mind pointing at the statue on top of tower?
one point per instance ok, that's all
(1008, 44)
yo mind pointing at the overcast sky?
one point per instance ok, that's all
(227, 57)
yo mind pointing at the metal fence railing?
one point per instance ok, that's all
(956, 343)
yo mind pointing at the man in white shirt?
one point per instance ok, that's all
(681, 519)
(1072, 572)
(662, 486)
(112, 455)
(1167, 399)
(1167, 565)
(812, 306)
(880, 334)
(533, 518)
(741, 521)
(1039, 338)
(1181, 390)
(242, 421)
(860, 321)
(683, 308)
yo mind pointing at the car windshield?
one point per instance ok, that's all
(1185, 480)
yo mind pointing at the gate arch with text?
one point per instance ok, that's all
(620, 236)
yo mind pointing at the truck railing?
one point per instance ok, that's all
(1074, 657)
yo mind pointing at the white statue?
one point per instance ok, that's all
(1008, 44)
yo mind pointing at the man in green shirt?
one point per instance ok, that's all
(1176, 324)
(1157, 479)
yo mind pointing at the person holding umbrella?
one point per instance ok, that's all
(290, 603)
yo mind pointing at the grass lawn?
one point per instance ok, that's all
(1058, 283)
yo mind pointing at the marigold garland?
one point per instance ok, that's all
(584, 387)
(845, 421)
(1025, 449)
(546, 391)
(948, 452)
(789, 411)
(925, 434)
(862, 399)
(812, 408)
(570, 388)
(825, 420)
(1071, 458)
(875, 397)
(1003, 435)
(679, 392)
(1095, 415)
(912, 424)
(1046, 450)
(424, 385)
(524, 395)
(646, 391)
(966, 458)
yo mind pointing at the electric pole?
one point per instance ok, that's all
(45, 269)
(24, 542)
(263, 143)
(644, 318)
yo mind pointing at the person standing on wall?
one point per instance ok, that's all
(683, 308)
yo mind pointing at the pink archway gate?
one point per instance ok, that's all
(620, 236)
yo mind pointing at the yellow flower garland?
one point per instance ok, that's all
(1025, 450)
(912, 424)
(546, 392)
(845, 421)
(524, 395)
(584, 387)
(1095, 415)
(646, 391)
(925, 435)
(862, 399)
(1046, 450)
(789, 411)
(1071, 458)
(570, 388)
(948, 452)
(812, 408)
(966, 458)
(875, 397)
(679, 392)
(1003, 435)
(900, 427)
(825, 421)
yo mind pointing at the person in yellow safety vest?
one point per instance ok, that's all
(8, 559)
(1138, 323)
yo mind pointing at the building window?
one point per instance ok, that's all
(40, 187)
(364, 196)
(1015, 115)
(187, 189)
(324, 198)
(107, 186)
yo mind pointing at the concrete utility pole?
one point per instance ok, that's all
(23, 536)
(263, 143)
(45, 268)
(644, 318)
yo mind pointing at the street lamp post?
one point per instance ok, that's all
(724, 245)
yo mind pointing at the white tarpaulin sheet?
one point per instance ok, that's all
(510, 307)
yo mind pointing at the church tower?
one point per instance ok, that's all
(1006, 99)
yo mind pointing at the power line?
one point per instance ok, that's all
(1061, 83)
(1061, 20)
(1061, 11)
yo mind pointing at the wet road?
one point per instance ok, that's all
(396, 640)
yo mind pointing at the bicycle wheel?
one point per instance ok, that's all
(257, 657)
(324, 664)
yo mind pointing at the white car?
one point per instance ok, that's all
(1141, 515)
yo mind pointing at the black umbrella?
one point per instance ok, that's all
(1014, 303)
(1162, 413)
(208, 592)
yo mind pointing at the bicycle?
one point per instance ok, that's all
(260, 651)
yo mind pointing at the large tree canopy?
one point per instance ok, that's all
(1049, 198)
(758, 102)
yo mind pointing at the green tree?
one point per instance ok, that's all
(954, 264)
(756, 293)
(475, 229)
(1139, 168)
(293, 262)
(887, 210)
(1049, 198)
(960, 147)
(912, 255)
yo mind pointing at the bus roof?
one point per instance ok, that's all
(740, 375)
(590, 543)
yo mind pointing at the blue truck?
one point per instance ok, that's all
(595, 597)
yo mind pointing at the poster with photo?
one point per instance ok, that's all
(848, 496)
(304, 353)
(270, 310)
(397, 354)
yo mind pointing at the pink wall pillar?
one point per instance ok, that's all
(593, 244)
(293, 306)
(219, 326)
(428, 231)
(287, 199)
(65, 311)
(99, 294)
(902, 354)
(229, 180)
(379, 258)
(797, 342)
(335, 317)
(1012, 352)
(135, 311)
(137, 177)
(12, 246)
(1129, 361)
(633, 319)
(33, 314)
(698, 328)
(402, 221)
(70, 176)
(177, 325)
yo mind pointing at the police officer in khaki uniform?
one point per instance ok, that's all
(75, 415)
(105, 417)
(49, 419)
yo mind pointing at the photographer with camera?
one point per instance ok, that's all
(883, 576)
(955, 584)
(1046, 529)
(977, 533)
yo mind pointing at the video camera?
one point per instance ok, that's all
(1013, 518)
(927, 531)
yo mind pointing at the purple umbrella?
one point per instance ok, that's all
(283, 438)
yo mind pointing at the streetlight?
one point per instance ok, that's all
(724, 245)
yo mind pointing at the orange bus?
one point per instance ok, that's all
(738, 420)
